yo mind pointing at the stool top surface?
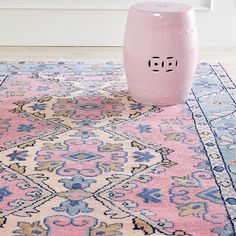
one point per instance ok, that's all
(162, 7)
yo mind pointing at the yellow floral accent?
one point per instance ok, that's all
(4, 121)
(46, 99)
(29, 229)
(109, 147)
(143, 225)
(185, 181)
(2, 221)
(193, 208)
(49, 166)
(233, 162)
(20, 103)
(175, 136)
(135, 115)
(107, 230)
(168, 163)
(136, 170)
(181, 233)
(53, 146)
(18, 110)
(164, 151)
(113, 101)
(76, 195)
(109, 166)
(138, 145)
(112, 113)
(28, 144)
(16, 167)
(40, 115)
(64, 113)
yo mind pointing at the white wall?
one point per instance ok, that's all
(218, 28)
(87, 23)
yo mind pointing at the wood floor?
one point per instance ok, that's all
(227, 56)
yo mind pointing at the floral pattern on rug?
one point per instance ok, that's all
(79, 157)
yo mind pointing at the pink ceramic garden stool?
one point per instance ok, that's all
(160, 52)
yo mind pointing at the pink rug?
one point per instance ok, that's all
(78, 157)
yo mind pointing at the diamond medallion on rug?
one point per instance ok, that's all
(79, 157)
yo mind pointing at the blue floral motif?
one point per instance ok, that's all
(91, 106)
(204, 165)
(39, 107)
(81, 156)
(86, 122)
(73, 207)
(232, 130)
(204, 83)
(209, 144)
(143, 156)
(228, 127)
(136, 106)
(198, 149)
(152, 195)
(41, 67)
(42, 88)
(232, 168)
(144, 128)
(218, 168)
(77, 182)
(25, 128)
(2, 88)
(186, 181)
(226, 231)
(18, 155)
(114, 194)
(4, 193)
(231, 201)
(190, 128)
(84, 134)
(212, 194)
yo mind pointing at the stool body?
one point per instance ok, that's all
(160, 52)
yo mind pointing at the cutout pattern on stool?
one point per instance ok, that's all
(168, 64)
